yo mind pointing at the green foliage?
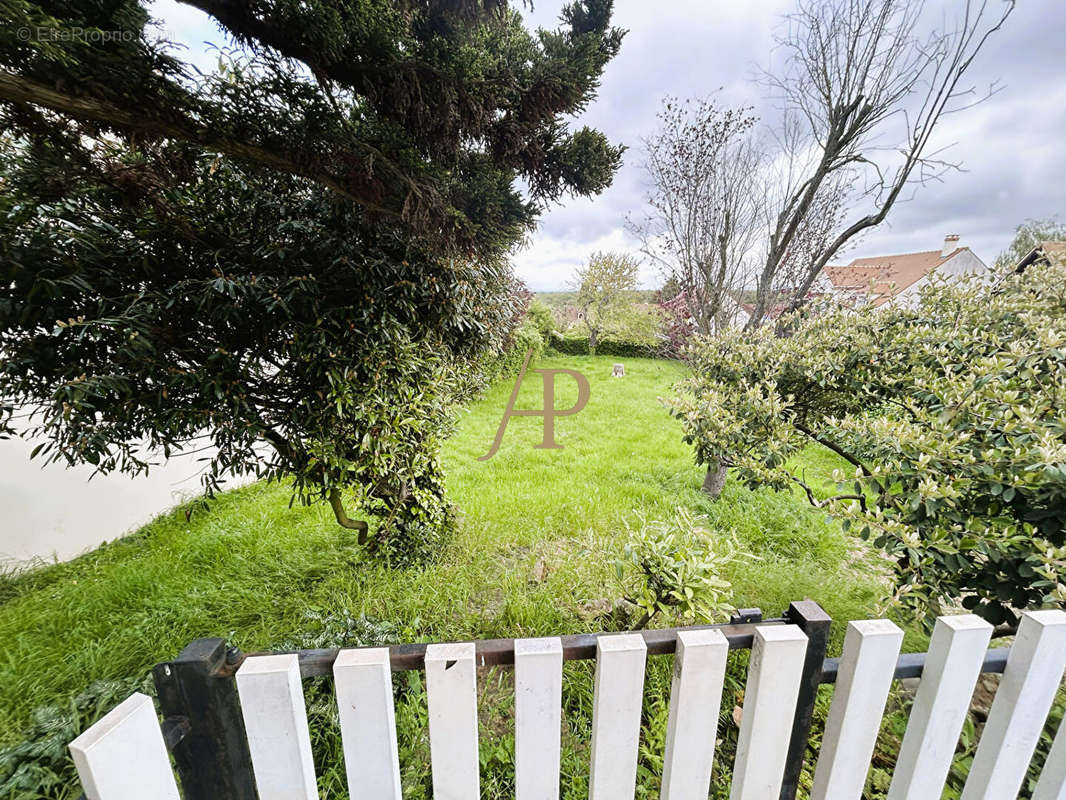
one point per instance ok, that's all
(576, 344)
(632, 323)
(299, 267)
(673, 567)
(542, 317)
(602, 285)
(122, 329)
(952, 414)
(526, 338)
(422, 115)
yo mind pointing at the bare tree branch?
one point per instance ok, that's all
(704, 215)
(859, 74)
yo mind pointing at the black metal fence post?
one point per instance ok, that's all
(812, 620)
(197, 691)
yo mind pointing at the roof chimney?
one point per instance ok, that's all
(951, 243)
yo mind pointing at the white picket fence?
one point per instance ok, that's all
(123, 756)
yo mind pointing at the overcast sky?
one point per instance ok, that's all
(1011, 146)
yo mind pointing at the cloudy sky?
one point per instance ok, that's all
(1011, 146)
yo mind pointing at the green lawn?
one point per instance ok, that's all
(268, 576)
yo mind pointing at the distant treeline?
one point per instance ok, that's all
(556, 300)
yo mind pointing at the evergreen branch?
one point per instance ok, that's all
(18, 90)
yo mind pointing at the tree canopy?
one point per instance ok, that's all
(601, 286)
(952, 416)
(305, 247)
(418, 111)
(704, 216)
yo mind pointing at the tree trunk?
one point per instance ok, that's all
(714, 480)
(337, 504)
(593, 337)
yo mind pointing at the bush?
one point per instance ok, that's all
(637, 324)
(953, 415)
(543, 318)
(519, 332)
(622, 349)
(527, 337)
(578, 345)
(309, 257)
(671, 567)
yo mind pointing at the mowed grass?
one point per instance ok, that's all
(539, 533)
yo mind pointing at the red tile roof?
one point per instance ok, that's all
(881, 278)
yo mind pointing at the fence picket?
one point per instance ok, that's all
(866, 668)
(1052, 783)
(695, 700)
(956, 650)
(368, 723)
(774, 674)
(1026, 691)
(619, 694)
(451, 682)
(122, 757)
(275, 718)
(538, 676)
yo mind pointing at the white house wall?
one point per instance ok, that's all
(965, 263)
(958, 266)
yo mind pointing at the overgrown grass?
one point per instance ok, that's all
(539, 535)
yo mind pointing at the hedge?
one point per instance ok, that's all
(579, 346)
(509, 362)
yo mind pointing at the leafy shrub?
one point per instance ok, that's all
(267, 270)
(672, 567)
(622, 349)
(520, 331)
(339, 628)
(570, 345)
(543, 318)
(527, 337)
(634, 323)
(577, 345)
(953, 415)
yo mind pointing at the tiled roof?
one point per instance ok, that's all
(880, 278)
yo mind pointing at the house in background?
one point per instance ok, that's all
(899, 278)
(1042, 254)
(743, 311)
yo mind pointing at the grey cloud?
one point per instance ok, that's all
(1010, 145)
